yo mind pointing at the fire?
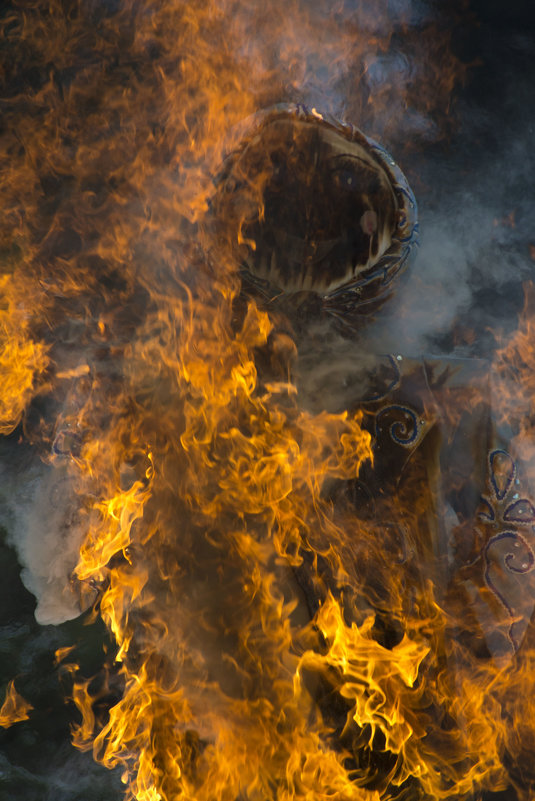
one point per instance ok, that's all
(22, 359)
(251, 489)
(14, 708)
(273, 638)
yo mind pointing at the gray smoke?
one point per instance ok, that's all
(469, 261)
(39, 510)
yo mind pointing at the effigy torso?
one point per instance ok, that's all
(322, 223)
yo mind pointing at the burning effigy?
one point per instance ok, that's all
(309, 553)
(317, 208)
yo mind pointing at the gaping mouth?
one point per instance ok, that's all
(306, 203)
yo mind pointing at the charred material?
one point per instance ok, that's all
(314, 210)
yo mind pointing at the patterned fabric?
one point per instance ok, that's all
(457, 499)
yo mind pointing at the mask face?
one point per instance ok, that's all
(309, 205)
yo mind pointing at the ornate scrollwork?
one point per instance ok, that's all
(521, 511)
(508, 553)
(403, 424)
(502, 471)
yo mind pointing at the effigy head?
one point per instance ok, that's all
(309, 204)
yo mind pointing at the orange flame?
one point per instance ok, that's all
(247, 606)
(14, 708)
(22, 360)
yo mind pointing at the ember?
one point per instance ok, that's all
(307, 557)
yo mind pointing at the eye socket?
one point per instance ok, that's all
(346, 178)
(353, 175)
(279, 168)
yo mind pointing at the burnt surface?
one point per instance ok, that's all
(316, 207)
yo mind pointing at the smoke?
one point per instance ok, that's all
(70, 776)
(463, 286)
(467, 246)
(467, 272)
(40, 512)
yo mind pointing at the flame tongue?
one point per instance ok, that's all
(273, 641)
(199, 600)
(14, 707)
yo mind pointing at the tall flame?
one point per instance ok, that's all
(271, 643)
